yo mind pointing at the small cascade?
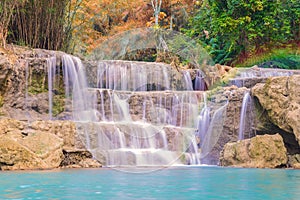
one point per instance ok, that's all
(204, 120)
(76, 89)
(135, 144)
(188, 80)
(213, 133)
(122, 107)
(128, 76)
(199, 81)
(245, 104)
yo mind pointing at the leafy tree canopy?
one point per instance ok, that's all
(230, 29)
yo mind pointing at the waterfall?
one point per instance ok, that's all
(213, 133)
(139, 114)
(130, 115)
(137, 144)
(245, 103)
(76, 89)
(199, 81)
(204, 120)
(141, 76)
(188, 80)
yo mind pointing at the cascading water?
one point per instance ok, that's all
(76, 89)
(188, 80)
(204, 120)
(213, 133)
(245, 104)
(134, 113)
(128, 76)
(130, 116)
(199, 81)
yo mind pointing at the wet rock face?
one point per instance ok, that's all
(280, 98)
(230, 122)
(40, 145)
(6, 70)
(24, 83)
(264, 151)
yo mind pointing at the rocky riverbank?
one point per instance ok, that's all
(41, 145)
(277, 127)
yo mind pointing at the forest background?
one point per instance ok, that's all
(234, 32)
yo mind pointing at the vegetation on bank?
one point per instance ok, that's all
(79, 25)
(283, 58)
(234, 32)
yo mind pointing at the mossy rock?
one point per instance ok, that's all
(58, 104)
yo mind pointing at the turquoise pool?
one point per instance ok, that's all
(169, 183)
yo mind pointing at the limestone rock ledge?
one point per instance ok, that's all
(41, 145)
(261, 151)
(280, 98)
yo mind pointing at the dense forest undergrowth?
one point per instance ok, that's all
(240, 33)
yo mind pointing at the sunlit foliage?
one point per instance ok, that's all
(234, 29)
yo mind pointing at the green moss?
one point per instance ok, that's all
(36, 89)
(1, 101)
(37, 82)
(58, 104)
(211, 93)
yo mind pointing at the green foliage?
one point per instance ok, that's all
(277, 58)
(230, 28)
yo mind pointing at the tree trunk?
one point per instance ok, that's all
(2, 37)
(156, 7)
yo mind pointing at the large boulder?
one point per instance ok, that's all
(41, 145)
(45, 146)
(280, 98)
(14, 156)
(262, 151)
